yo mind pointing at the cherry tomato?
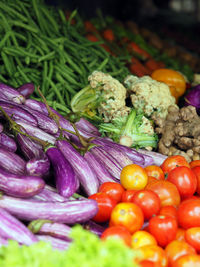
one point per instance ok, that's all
(196, 171)
(147, 263)
(142, 238)
(133, 177)
(188, 213)
(117, 232)
(155, 171)
(169, 211)
(184, 179)
(105, 205)
(192, 236)
(194, 163)
(128, 195)
(176, 249)
(163, 228)
(191, 260)
(172, 162)
(148, 201)
(180, 234)
(128, 215)
(167, 192)
(153, 253)
(114, 190)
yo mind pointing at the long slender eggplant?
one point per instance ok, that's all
(69, 212)
(12, 162)
(18, 113)
(87, 126)
(49, 194)
(11, 94)
(3, 241)
(158, 158)
(110, 163)
(102, 173)
(86, 175)
(8, 142)
(26, 89)
(65, 176)
(45, 227)
(56, 243)
(35, 131)
(38, 166)
(94, 227)
(12, 228)
(20, 185)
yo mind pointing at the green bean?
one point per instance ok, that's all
(50, 74)
(47, 56)
(37, 13)
(7, 64)
(4, 39)
(50, 19)
(12, 11)
(44, 75)
(2, 79)
(56, 91)
(18, 51)
(72, 64)
(64, 82)
(23, 74)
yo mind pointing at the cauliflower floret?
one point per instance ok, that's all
(150, 96)
(113, 93)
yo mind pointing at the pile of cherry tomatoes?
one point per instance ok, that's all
(156, 211)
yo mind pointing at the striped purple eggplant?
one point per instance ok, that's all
(101, 172)
(69, 212)
(85, 125)
(26, 89)
(9, 93)
(12, 162)
(85, 174)
(157, 158)
(3, 241)
(23, 186)
(12, 228)
(45, 227)
(38, 166)
(49, 194)
(64, 174)
(8, 142)
(93, 227)
(56, 243)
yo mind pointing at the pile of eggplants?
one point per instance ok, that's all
(45, 188)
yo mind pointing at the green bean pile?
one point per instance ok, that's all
(38, 45)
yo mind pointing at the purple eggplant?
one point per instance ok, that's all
(69, 212)
(18, 113)
(11, 162)
(86, 175)
(93, 227)
(102, 173)
(35, 131)
(1, 127)
(3, 241)
(12, 228)
(26, 89)
(49, 194)
(20, 185)
(156, 157)
(110, 163)
(63, 171)
(11, 94)
(29, 148)
(45, 227)
(8, 142)
(87, 126)
(56, 243)
(38, 166)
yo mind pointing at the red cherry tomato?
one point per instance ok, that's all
(172, 162)
(184, 179)
(190, 260)
(196, 171)
(192, 237)
(128, 215)
(163, 228)
(147, 263)
(169, 211)
(148, 201)
(188, 213)
(114, 190)
(105, 205)
(117, 232)
(180, 234)
(128, 195)
(194, 163)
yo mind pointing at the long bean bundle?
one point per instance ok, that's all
(38, 45)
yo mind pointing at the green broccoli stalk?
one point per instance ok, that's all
(134, 130)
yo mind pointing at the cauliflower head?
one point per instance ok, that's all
(113, 94)
(149, 96)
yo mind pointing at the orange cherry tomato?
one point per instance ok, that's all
(153, 253)
(142, 238)
(191, 260)
(133, 177)
(172, 162)
(172, 78)
(112, 189)
(117, 233)
(169, 211)
(194, 163)
(176, 249)
(127, 214)
(152, 179)
(192, 236)
(155, 171)
(167, 192)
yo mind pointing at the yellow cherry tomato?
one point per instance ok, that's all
(142, 238)
(133, 177)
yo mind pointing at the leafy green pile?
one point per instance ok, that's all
(87, 250)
